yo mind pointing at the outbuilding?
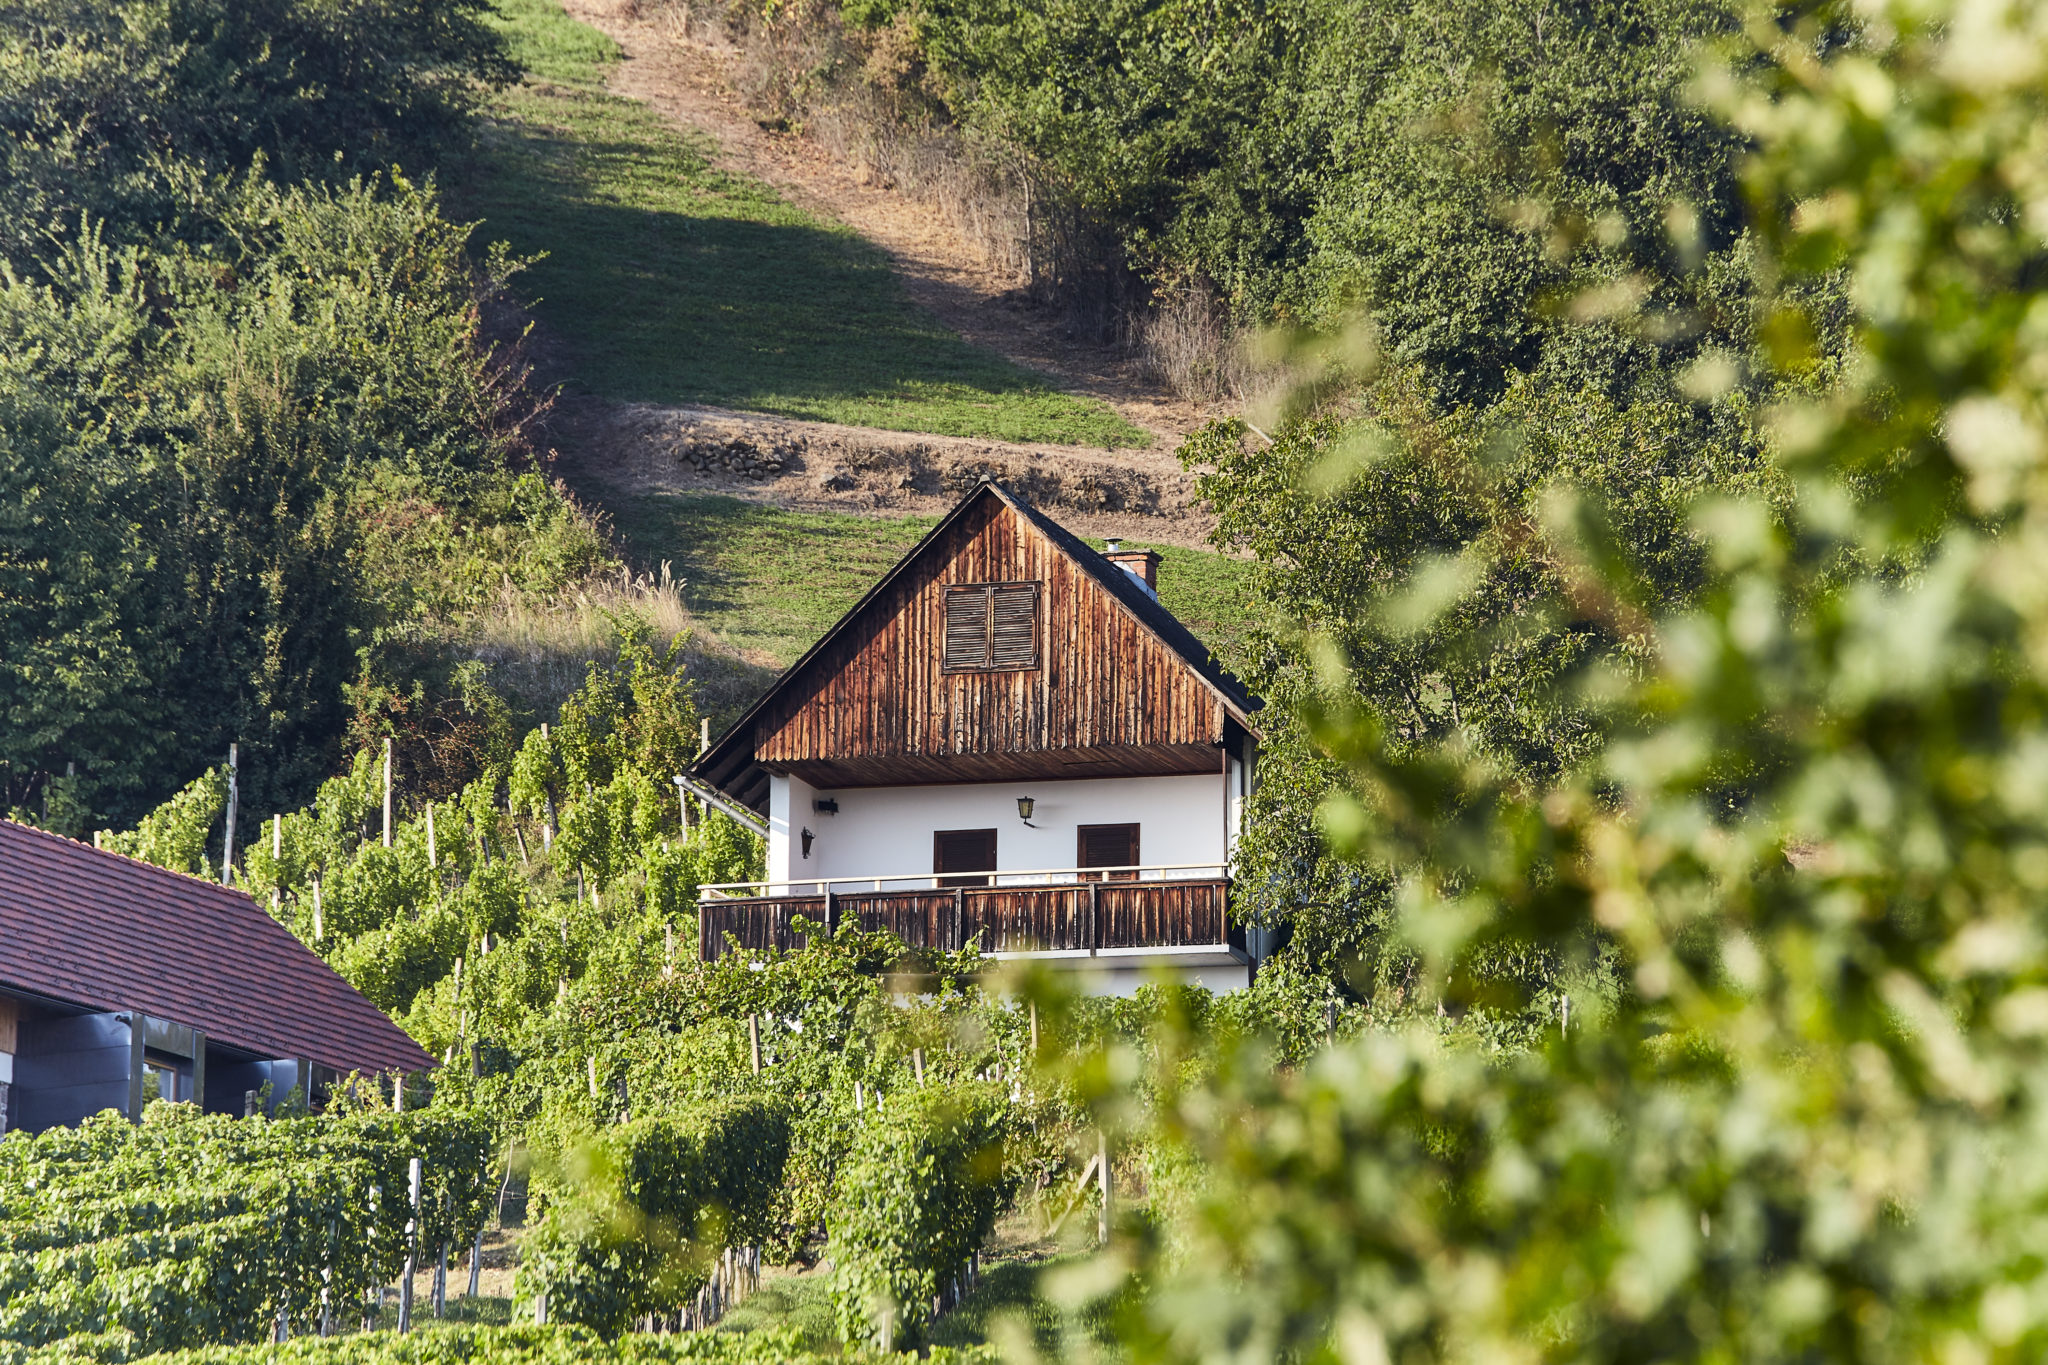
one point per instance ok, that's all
(1008, 741)
(122, 982)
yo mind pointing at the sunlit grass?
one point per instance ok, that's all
(667, 280)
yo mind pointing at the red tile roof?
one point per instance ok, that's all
(109, 932)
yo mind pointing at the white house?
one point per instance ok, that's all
(1007, 740)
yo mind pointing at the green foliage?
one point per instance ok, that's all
(253, 436)
(186, 1230)
(589, 819)
(1807, 1125)
(522, 1345)
(189, 570)
(644, 1209)
(919, 1195)
(671, 281)
(1411, 565)
(174, 835)
(129, 111)
(1300, 158)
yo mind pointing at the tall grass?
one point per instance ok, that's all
(538, 651)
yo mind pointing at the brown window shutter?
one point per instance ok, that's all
(966, 628)
(1108, 846)
(963, 850)
(1013, 633)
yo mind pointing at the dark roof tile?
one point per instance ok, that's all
(109, 932)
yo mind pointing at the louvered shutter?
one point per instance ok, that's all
(1013, 632)
(966, 628)
(991, 626)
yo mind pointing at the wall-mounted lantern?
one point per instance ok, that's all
(808, 836)
(1025, 805)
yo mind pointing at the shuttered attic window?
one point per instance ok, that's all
(991, 627)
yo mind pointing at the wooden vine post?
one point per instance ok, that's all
(412, 1248)
(227, 851)
(754, 1040)
(327, 1279)
(498, 1215)
(373, 1299)
(1102, 1178)
(387, 792)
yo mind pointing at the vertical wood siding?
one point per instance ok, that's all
(1004, 919)
(879, 692)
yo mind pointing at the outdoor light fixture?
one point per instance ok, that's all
(1025, 805)
(825, 805)
(808, 836)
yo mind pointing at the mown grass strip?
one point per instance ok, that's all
(670, 281)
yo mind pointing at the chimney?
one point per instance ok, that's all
(1142, 565)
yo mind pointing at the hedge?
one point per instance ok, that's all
(916, 1199)
(469, 1345)
(649, 1206)
(190, 1230)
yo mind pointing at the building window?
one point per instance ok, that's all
(165, 1080)
(1107, 846)
(991, 627)
(963, 850)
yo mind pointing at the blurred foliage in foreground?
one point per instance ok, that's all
(1810, 1126)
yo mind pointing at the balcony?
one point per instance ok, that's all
(1136, 917)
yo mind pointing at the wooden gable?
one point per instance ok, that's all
(875, 704)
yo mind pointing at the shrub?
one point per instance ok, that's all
(916, 1199)
(645, 1209)
(519, 1345)
(187, 1230)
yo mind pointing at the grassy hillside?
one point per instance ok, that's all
(668, 280)
(769, 582)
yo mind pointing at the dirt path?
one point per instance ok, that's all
(640, 448)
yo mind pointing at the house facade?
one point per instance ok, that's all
(121, 982)
(1007, 741)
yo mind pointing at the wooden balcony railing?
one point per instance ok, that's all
(1061, 917)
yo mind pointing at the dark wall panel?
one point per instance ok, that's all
(229, 1081)
(71, 1067)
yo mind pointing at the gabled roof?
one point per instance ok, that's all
(1143, 605)
(729, 763)
(86, 927)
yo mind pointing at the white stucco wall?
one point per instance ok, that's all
(880, 831)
